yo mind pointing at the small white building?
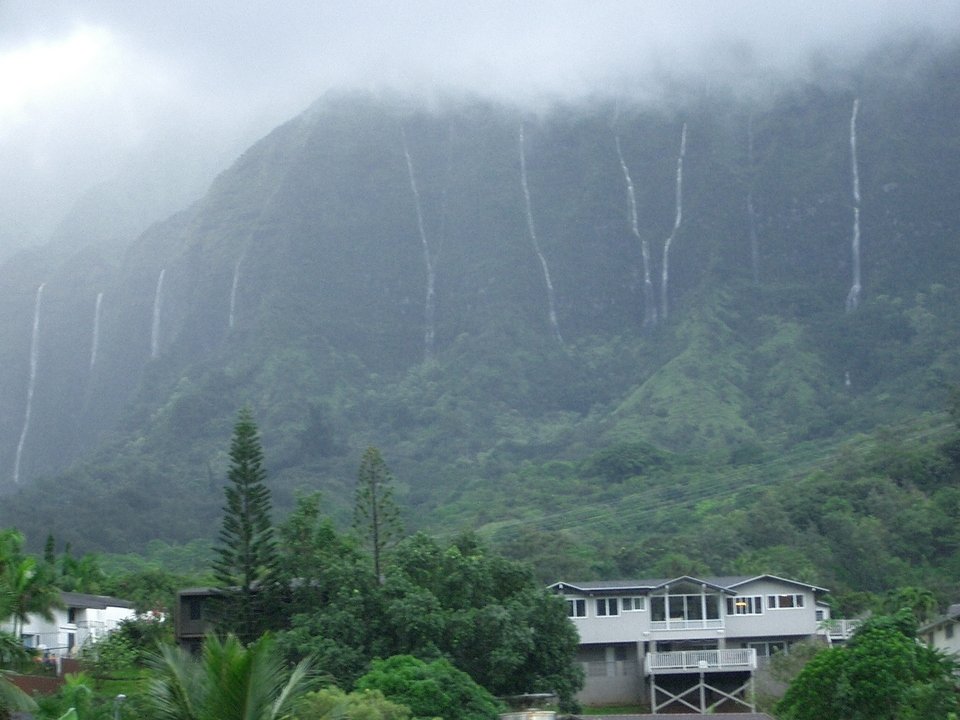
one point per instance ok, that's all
(687, 643)
(944, 633)
(83, 619)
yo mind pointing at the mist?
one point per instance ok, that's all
(173, 92)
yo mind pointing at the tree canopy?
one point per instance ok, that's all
(430, 689)
(884, 673)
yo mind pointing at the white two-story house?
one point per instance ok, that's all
(82, 619)
(686, 643)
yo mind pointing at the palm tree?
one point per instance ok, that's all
(26, 588)
(227, 682)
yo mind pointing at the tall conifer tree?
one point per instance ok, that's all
(375, 515)
(246, 558)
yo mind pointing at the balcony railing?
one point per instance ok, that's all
(700, 660)
(681, 624)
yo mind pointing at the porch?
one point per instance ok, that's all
(687, 661)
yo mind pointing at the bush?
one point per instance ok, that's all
(333, 703)
(435, 689)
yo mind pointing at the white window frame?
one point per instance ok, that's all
(604, 605)
(745, 605)
(574, 605)
(637, 604)
(774, 602)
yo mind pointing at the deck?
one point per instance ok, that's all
(687, 661)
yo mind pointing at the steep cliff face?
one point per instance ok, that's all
(312, 277)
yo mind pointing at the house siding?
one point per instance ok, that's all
(84, 619)
(614, 647)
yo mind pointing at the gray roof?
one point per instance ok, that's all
(96, 602)
(723, 582)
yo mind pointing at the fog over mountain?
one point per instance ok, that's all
(96, 92)
(550, 258)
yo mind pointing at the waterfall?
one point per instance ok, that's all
(155, 327)
(665, 277)
(533, 239)
(95, 341)
(31, 382)
(853, 297)
(428, 258)
(233, 291)
(751, 213)
(649, 304)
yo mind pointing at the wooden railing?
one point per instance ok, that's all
(701, 660)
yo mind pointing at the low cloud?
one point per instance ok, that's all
(90, 89)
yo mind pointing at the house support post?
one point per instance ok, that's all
(703, 694)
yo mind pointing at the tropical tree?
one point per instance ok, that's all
(882, 674)
(376, 518)
(26, 585)
(227, 682)
(484, 612)
(246, 556)
(436, 689)
(920, 601)
(334, 704)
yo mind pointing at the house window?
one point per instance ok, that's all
(634, 604)
(820, 615)
(195, 608)
(767, 649)
(746, 605)
(948, 630)
(784, 601)
(684, 607)
(577, 608)
(607, 607)
(72, 615)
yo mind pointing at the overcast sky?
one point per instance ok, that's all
(88, 86)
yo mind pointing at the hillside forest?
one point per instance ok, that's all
(712, 334)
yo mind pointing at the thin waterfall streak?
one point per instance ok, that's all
(853, 297)
(95, 341)
(31, 382)
(665, 274)
(649, 308)
(155, 325)
(429, 332)
(751, 212)
(853, 152)
(536, 244)
(231, 320)
(754, 242)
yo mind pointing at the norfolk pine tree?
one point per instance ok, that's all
(375, 516)
(246, 559)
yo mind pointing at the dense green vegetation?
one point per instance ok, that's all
(883, 673)
(761, 428)
(427, 630)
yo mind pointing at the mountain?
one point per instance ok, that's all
(462, 286)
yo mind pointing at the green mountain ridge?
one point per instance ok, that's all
(310, 245)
